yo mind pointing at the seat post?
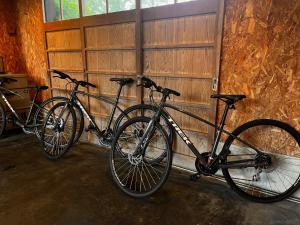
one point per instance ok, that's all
(219, 131)
(36, 94)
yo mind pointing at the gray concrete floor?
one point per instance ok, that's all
(78, 190)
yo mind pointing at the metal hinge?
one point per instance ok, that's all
(215, 83)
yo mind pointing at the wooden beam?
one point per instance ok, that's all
(218, 41)
(180, 10)
(111, 18)
(139, 47)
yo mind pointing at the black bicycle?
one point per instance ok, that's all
(33, 122)
(259, 160)
(64, 123)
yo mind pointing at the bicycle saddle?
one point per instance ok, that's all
(122, 81)
(231, 98)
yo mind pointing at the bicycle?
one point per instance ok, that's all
(258, 159)
(34, 120)
(63, 115)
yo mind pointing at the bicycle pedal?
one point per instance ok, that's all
(90, 127)
(195, 177)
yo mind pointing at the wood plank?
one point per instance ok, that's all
(185, 31)
(64, 40)
(183, 62)
(114, 61)
(66, 61)
(117, 36)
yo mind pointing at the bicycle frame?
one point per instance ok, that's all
(19, 121)
(219, 130)
(75, 100)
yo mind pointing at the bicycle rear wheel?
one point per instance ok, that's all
(277, 172)
(58, 131)
(133, 171)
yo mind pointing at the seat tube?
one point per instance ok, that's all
(114, 107)
(31, 107)
(219, 132)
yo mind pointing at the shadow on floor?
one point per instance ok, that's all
(78, 190)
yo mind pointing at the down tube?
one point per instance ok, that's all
(183, 136)
(91, 120)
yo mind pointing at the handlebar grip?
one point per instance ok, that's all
(84, 84)
(61, 74)
(92, 85)
(146, 82)
(176, 93)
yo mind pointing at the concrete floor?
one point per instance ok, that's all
(78, 190)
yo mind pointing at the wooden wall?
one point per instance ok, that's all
(261, 58)
(9, 48)
(21, 39)
(31, 40)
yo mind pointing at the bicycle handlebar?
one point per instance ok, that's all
(148, 83)
(82, 83)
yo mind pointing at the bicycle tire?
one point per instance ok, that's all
(2, 119)
(62, 149)
(136, 108)
(133, 108)
(281, 133)
(116, 155)
(79, 116)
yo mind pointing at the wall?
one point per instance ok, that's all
(31, 40)
(261, 49)
(9, 49)
(23, 51)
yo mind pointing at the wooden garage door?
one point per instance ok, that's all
(183, 53)
(177, 45)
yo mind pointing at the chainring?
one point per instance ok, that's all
(202, 169)
(106, 139)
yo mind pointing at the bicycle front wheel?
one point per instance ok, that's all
(145, 110)
(133, 170)
(43, 110)
(276, 173)
(59, 131)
